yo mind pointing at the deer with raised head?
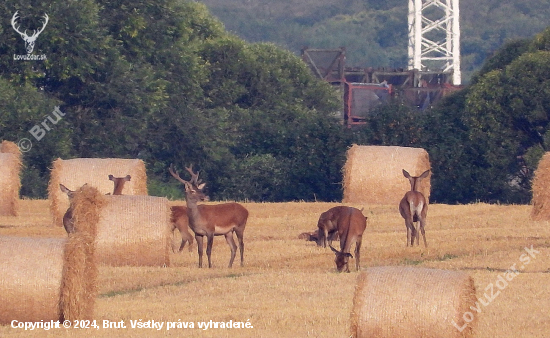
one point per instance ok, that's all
(68, 222)
(29, 40)
(119, 183)
(414, 208)
(349, 223)
(212, 220)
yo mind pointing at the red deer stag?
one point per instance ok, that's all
(350, 223)
(212, 220)
(413, 208)
(68, 222)
(119, 183)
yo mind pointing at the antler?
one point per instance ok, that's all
(194, 177)
(176, 175)
(13, 21)
(47, 18)
(35, 34)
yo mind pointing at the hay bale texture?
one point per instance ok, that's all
(44, 279)
(413, 302)
(374, 174)
(10, 182)
(134, 231)
(95, 171)
(541, 191)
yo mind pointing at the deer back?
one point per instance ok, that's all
(223, 215)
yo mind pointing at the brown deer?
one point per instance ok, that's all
(68, 222)
(313, 236)
(350, 223)
(414, 208)
(212, 220)
(180, 221)
(119, 183)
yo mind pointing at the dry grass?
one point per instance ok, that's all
(289, 287)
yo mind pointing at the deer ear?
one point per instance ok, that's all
(201, 186)
(424, 174)
(64, 188)
(111, 177)
(128, 177)
(333, 249)
(406, 173)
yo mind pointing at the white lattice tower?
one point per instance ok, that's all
(434, 36)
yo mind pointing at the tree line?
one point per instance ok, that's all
(163, 81)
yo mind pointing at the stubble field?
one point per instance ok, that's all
(290, 288)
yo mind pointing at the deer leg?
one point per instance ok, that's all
(200, 243)
(240, 237)
(411, 231)
(422, 224)
(209, 243)
(229, 239)
(358, 252)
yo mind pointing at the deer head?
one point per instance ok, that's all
(194, 187)
(29, 40)
(341, 260)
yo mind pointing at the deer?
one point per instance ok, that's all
(119, 183)
(180, 220)
(349, 223)
(212, 220)
(68, 222)
(413, 207)
(29, 40)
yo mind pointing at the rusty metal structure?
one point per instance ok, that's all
(363, 89)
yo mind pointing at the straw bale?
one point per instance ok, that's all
(411, 302)
(541, 191)
(374, 174)
(135, 231)
(10, 182)
(95, 171)
(44, 279)
(79, 283)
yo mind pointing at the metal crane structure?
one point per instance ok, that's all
(434, 37)
(433, 67)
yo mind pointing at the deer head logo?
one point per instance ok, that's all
(29, 40)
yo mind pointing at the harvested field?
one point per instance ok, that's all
(289, 287)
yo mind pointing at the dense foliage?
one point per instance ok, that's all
(164, 82)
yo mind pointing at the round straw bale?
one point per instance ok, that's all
(44, 279)
(10, 182)
(95, 171)
(134, 230)
(374, 174)
(541, 191)
(407, 302)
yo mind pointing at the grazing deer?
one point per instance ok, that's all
(414, 208)
(349, 223)
(119, 183)
(180, 221)
(212, 220)
(68, 222)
